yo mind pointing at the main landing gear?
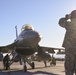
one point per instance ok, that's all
(33, 65)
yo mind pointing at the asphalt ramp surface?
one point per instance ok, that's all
(16, 69)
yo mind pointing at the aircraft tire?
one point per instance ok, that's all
(33, 65)
(25, 68)
(53, 63)
(7, 68)
(50, 63)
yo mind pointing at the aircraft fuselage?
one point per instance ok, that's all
(27, 42)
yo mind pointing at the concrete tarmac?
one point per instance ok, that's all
(40, 69)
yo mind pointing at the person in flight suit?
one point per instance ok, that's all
(69, 23)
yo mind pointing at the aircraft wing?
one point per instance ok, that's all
(51, 49)
(8, 47)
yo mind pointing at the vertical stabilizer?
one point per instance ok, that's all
(16, 31)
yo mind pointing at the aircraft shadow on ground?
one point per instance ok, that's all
(16, 69)
(20, 72)
(41, 67)
(43, 72)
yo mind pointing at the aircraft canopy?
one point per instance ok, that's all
(27, 27)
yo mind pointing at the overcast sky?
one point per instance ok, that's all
(43, 15)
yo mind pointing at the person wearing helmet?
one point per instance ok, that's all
(69, 23)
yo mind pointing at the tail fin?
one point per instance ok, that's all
(16, 31)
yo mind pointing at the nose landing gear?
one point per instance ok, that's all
(32, 64)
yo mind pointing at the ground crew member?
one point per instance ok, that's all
(6, 62)
(53, 60)
(69, 23)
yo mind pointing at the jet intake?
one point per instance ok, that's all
(25, 51)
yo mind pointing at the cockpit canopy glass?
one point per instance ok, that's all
(27, 27)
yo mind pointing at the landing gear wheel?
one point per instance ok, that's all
(53, 63)
(50, 63)
(7, 68)
(25, 68)
(33, 65)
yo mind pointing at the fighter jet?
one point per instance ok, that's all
(25, 45)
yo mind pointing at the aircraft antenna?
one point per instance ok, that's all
(16, 31)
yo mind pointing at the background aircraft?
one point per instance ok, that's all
(25, 45)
